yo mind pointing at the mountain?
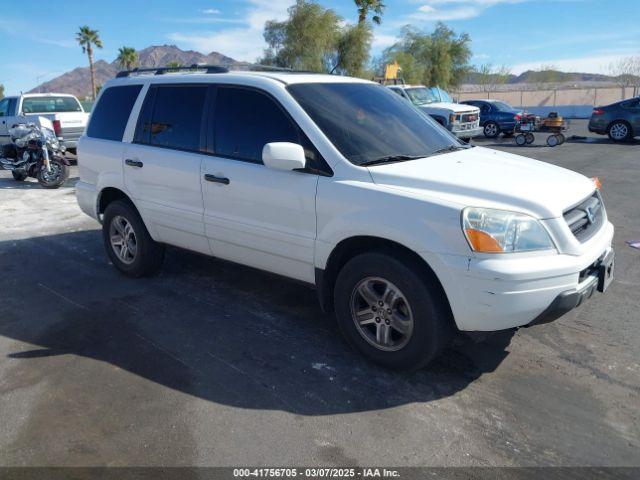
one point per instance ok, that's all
(532, 77)
(78, 80)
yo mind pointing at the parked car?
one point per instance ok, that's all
(461, 120)
(620, 120)
(496, 117)
(65, 111)
(407, 233)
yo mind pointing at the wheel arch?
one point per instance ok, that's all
(350, 247)
(620, 120)
(110, 194)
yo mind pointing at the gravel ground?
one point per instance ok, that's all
(217, 364)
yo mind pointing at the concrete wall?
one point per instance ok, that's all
(571, 102)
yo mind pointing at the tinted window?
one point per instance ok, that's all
(176, 117)
(50, 105)
(13, 102)
(503, 107)
(367, 122)
(109, 117)
(246, 120)
(4, 107)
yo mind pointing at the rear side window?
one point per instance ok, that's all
(172, 117)
(109, 117)
(246, 120)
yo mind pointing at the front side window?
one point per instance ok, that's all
(4, 107)
(110, 116)
(245, 121)
(367, 123)
(176, 116)
(50, 105)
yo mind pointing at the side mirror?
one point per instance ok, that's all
(283, 156)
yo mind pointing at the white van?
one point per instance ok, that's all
(407, 233)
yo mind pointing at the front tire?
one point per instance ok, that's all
(56, 177)
(491, 130)
(390, 312)
(128, 243)
(619, 131)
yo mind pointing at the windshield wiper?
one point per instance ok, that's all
(390, 159)
(451, 148)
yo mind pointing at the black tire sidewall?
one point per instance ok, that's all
(63, 175)
(432, 321)
(150, 253)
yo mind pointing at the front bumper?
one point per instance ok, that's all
(470, 133)
(488, 293)
(597, 279)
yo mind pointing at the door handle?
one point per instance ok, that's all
(134, 163)
(212, 178)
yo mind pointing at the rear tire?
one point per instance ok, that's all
(128, 243)
(18, 176)
(521, 140)
(619, 131)
(415, 321)
(491, 130)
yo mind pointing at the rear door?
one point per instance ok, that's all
(255, 215)
(162, 165)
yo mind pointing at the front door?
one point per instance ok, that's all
(162, 166)
(255, 215)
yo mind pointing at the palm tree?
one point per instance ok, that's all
(364, 6)
(87, 39)
(127, 58)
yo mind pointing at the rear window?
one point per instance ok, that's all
(50, 105)
(110, 116)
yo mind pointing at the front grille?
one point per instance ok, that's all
(585, 219)
(469, 117)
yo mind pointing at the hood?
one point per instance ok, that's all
(481, 177)
(452, 107)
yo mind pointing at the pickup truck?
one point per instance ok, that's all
(461, 120)
(65, 112)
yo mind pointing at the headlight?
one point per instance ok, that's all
(499, 231)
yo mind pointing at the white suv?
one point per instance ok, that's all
(407, 233)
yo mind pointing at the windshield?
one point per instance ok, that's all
(368, 123)
(421, 95)
(50, 105)
(441, 95)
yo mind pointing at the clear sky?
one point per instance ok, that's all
(37, 39)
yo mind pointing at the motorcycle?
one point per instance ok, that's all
(35, 152)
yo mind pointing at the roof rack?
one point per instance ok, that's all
(162, 70)
(255, 67)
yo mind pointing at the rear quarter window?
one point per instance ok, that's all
(111, 114)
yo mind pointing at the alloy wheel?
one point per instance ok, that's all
(491, 130)
(123, 239)
(382, 314)
(619, 131)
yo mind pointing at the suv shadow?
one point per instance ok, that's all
(211, 329)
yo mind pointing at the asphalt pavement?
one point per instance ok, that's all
(212, 363)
